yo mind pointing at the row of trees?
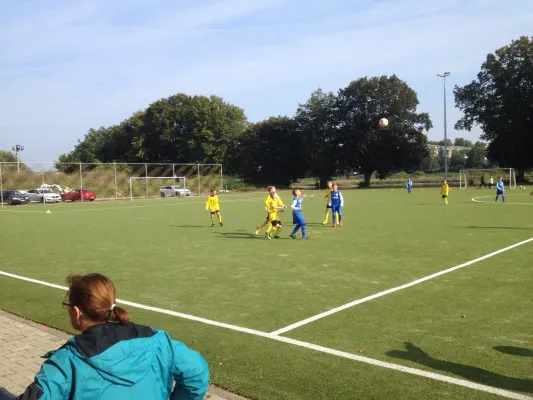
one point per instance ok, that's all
(331, 133)
(462, 142)
(472, 157)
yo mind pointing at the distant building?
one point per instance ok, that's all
(436, 149)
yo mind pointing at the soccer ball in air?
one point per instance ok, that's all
(383, 122)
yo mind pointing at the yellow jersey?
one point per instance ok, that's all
(327, 191)
(444, 189)
(212, 203)
(270, 207)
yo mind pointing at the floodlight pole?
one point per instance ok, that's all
(17, 148)
(444, 75)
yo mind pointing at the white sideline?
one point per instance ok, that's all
(126, 207)
(310, 346)
(392, 290)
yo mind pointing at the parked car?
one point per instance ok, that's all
(43, 196)
(170, 191)
(13, 197)
(88, 195)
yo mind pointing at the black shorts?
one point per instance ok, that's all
(328, 207)
(276, 222)
(215, 212)
(444, 196)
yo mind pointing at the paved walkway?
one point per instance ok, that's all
(22, 343)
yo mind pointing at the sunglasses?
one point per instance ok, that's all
(66, 304)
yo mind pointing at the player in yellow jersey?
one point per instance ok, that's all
(280, 204)
(328, 207)
(444, 189)
(274, 204)
(212, 205)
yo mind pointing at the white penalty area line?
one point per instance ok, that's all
(392, 290)
(475, 199)
(306, 345)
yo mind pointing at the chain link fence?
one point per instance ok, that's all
(111, 180)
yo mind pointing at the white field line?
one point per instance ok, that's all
(392, 290)
(306, 345)
(475, 199)
(128, 207)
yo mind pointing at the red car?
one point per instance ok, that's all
(88, 195)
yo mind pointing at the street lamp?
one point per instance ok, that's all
(444, 75)
(17, 148)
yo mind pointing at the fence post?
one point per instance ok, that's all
(199, 189)
(116, 188)
(81, 184)
(146, 176)
(1, 186)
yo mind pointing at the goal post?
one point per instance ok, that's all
(154, 183)
(473, 177)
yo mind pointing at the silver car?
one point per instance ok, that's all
(43, 196)
(170, 191)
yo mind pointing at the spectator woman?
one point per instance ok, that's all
(113, 358)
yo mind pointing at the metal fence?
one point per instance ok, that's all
(111, 180)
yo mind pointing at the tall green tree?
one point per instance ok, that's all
(366, 147)
(317, 123)
(501, 102)
(476, 156)
(458, 160)
(271, 152)
(462, 142)
(10, 158)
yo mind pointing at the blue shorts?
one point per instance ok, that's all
(336, 209)
(298, 219)
(498, 192)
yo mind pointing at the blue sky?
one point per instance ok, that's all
(67, 66)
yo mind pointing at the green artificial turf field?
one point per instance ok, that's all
(456, 331)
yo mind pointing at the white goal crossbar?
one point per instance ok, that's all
(508, 175)
(173, 178)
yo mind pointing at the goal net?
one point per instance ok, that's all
(158, 186)
(482, 177)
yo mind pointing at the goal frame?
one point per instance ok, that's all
(134, 178)
(510, 172)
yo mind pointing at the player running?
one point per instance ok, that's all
(409, 185)
(273, 204)
(500, 189)
(336, 202)
(328, 207)
(270, 190)
(297, 217)
(212, 205)
(444, 190)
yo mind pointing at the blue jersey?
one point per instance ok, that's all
(409, 183)
(335, 199)
(500, 186)
(296, 205)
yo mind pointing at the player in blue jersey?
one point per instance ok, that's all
(409, 185)
(297, 217)
(336, 203)
(500, 189)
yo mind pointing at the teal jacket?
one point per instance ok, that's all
(119, 362)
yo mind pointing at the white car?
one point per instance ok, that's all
(43, 196)
(170, 191)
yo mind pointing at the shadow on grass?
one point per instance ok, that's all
(496, 227)
(475, 374)
(515, 351)
(238, 235)
(194, 226)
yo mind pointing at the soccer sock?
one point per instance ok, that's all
(212, 219)
(327, 215)
(503, 198)
(219, 218)
(339, 217)
(446, 201)
(496, 199)
(304, 231)
(269, 229)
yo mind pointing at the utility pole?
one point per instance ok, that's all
(17, 148)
